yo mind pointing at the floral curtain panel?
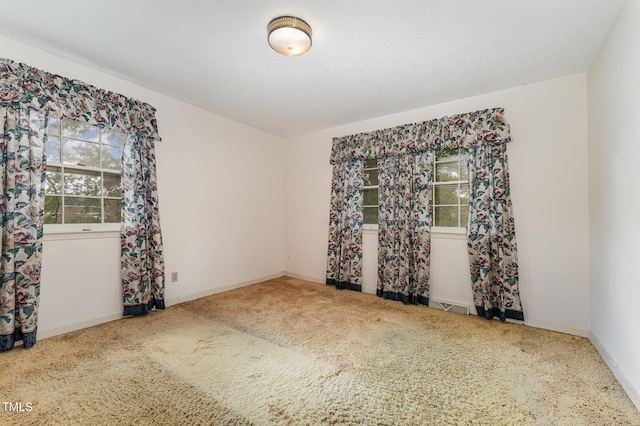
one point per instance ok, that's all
(404, 228)
(27, 89)
(142, 260)
(491, 231)
(22, 166)
(344, 254)
(491, 235)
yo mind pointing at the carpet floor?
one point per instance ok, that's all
(291, 352)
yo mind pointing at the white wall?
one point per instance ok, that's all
(614, 152)
(242, 228)
(221, 189)
(548, 165)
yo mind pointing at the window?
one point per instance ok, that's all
(82, 179)
(450, 189)
(370, 196)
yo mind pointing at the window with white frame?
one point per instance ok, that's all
(82, 179)
(370, 193)
(450, 190)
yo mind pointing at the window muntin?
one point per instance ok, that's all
(450, 189)
(82, 179)
(370, 192)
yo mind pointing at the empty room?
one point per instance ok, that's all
(319, 212)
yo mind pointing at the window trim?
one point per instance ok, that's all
(450, 230)
(442, 231)
(92, 228)
(80, 228)
(79, 235)
(370, 225)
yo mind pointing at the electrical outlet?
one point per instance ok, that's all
(174, 277)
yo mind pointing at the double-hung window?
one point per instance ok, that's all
(449, 191)
(370, 194)
(82, 179)
(450, 188)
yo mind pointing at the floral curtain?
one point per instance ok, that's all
(33, 91)
(344, 254)
(142, 260)
(491, 238)
(22, 165)
(404, 228)
(491, 231)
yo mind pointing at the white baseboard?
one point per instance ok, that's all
(632, 391)
(302, 277)
(78, 325)
(182, 299)
(562, 328)
(369, 290)
(168, 302)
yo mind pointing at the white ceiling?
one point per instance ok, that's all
(368, 59)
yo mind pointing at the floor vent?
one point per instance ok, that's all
(450, 306)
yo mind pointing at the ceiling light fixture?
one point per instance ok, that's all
(289, 36)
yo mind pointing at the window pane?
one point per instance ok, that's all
(113, 137)
(112, 209)
(81, 153)
(82, 210)
(78, 130)
(447, 154)
(52, 180)
(111, 185)
(464, 156)
(111, 157)
(370, 163)
(82, 182)
(447, 172)
(464, 172)
(371, 197)
(451, 200)
(464, 216)
(463, 192)
(53, 127)
(371, 215)
(446, 216)
(371, 177)
(53, 150)
(86, 196)
(445, 194)
(52, 209)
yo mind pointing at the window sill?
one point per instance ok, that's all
(449, 233)
(71, 232)
(436, 232)
(369, 227)
(59, 236)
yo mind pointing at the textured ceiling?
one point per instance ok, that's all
(368, 59)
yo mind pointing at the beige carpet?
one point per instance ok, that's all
(290, 352)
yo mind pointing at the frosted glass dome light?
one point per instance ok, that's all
(289, 36)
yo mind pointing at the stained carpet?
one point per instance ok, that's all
(291, 352)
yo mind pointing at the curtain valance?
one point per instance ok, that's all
(28, 96)
(23, 86)
(461, 130)
(406, 161)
